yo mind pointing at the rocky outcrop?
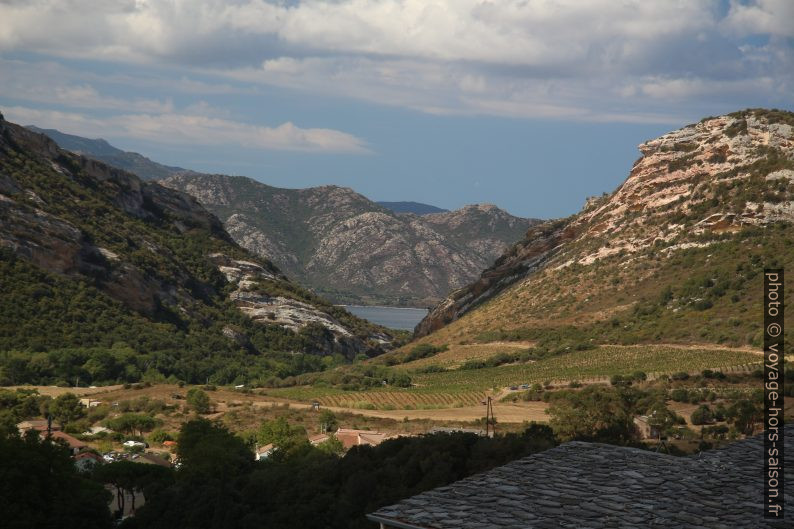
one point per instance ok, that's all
(352, 249)
(154, 249)
(688, 187)
(333, 239)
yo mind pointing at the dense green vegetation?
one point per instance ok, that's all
(79, 327)
(356, 377)
(221, 486)
(60, 331)
(40, 487)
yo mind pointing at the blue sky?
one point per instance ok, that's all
(532, 105)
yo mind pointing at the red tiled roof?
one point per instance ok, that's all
(151, 459)
(318, 438)
(71, 441)
(350, 438)
(91, 455)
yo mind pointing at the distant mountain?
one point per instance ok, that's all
(340, 243)
(351, 249)
(675, 255)
(101, 150)
(107, 278)
(417, 208)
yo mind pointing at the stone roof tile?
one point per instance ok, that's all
(592, 485)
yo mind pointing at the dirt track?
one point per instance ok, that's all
(504, 413)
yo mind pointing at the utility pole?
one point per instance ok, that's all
(490, 420)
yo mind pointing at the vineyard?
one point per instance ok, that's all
(463, 388)
(602, 362)
(404, 400)
(458, 354)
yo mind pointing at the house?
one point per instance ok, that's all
(150, 459)
(34, 424)
(90, 403)
(350, 438)
(317, 439)
(589, 485)
(86, 461)
(75, 445)
(646, 430)
(263, 452)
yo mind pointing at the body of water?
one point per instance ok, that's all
(391, 317)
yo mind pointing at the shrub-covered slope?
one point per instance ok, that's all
(105, 277)
(675, 254)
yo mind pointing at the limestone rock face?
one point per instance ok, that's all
(352, 249)
(154, 249)
(688, 187)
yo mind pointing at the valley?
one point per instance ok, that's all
(359, 264)
(634, 322)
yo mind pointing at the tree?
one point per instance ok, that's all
(594, 414)
(66, 408)
(661, 418)
(209, 449)
(702, 415)
(328, 421)
(198, 400)
(285, 437)
(127, 476)
(332, 446)
(744, 414)
(316, 489)
(40, 487)
(160, 436)
(130, 423)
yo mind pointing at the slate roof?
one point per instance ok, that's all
(591, 485)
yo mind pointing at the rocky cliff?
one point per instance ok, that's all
(352, 249)
(152, 257)
(678, 241)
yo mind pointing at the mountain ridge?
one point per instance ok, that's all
(99, 149)
(350, 248)
(627, 268)
(429, 250)
(95, 260)
(416, 208)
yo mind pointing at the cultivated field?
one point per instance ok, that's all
(457, 354)
(592, 365)
(456, 395)
(457, 388)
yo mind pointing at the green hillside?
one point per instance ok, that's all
(106, 279)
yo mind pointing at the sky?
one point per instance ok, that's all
(532, 105)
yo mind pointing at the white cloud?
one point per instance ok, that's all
(46, 82)
(774, 17)
(187, 129)
(530, 32)
(556, 58)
